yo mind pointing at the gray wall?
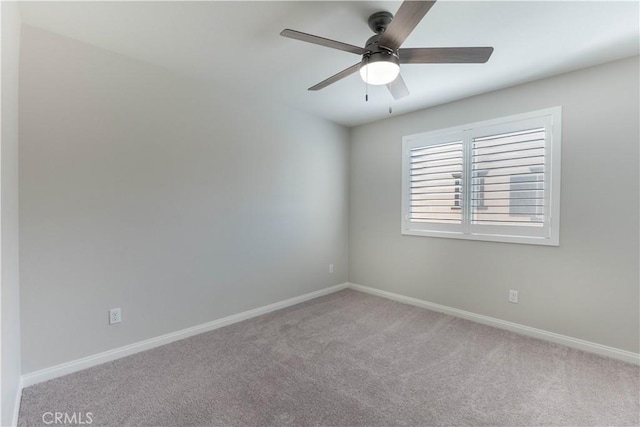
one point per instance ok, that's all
(9, 291)
(586, 288)
(181, 204)
(166, 197)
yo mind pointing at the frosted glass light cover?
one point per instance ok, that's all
(380, 72)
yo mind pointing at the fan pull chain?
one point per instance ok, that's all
(366, 84)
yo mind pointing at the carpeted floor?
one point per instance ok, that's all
(348, 359)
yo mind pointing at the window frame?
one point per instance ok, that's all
(548, 234)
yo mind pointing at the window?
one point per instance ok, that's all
(497, 180)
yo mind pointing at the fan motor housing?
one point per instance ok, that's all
(381, 55)
(376, 51)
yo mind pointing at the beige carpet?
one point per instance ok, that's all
(348, 359)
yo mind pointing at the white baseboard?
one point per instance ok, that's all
(117, 353)
(107, 356)
(591, 347)
(16, 405)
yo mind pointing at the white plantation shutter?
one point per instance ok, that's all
(496, 180)
(434, 186)
(507, 181)
(436, 183)
(509, 178)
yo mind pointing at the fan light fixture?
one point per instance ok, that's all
(379, 68)
(379, 63)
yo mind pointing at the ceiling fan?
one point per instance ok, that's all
(382, 55)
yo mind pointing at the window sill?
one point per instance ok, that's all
(527, 240)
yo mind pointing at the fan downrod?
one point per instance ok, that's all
(379, 21)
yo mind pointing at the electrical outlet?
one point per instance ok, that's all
(115, 316)
(330, 268)
(513, 296)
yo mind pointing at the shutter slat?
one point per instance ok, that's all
(514, 203)
(437, 221)
(440, 162)
(478, 195)
(508, 144)
(424, 192)
(441, 182)
(435, 149)
(430, 178)
(514, 157)
(507, 171)
(435, 215)
(435, 202)
(506, 179)
(508, 138)
(515, 146)
(434, 209)
(511, 223)
(497, 164)
(519, 186)
(442, 197)
(426, 188)
(449, 169)
(508, 210)
(444, 155)
(507, 218)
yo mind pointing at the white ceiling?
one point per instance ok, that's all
(236, 45)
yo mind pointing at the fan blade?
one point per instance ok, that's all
(445, 55)
(309, 38)
(341, 75)
(405, 20)
(398, 88)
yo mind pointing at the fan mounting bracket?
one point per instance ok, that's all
(379, 21)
